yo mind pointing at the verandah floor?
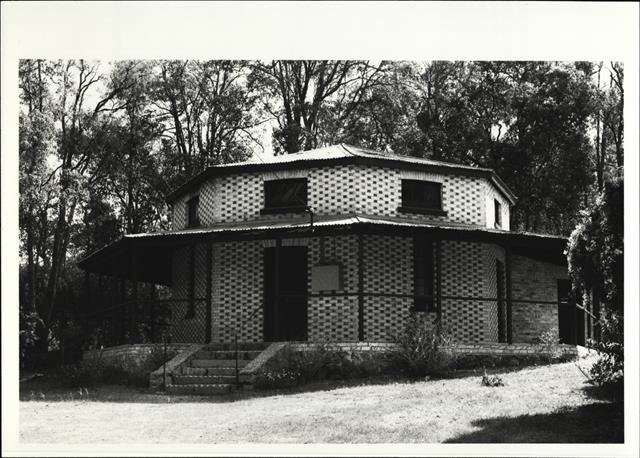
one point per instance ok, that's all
(540, 404)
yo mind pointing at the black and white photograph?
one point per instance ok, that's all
(228, 248)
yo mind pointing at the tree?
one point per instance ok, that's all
(310, 100)
(206, 113)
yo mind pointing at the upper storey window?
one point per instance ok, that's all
(422, 197)
(285, 196)
(498, 214)
(193, 212)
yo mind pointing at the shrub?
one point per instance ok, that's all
(609, 367)
(94, 369)
(87, 372)
(319, 361)
(491, 380)
(29, 323)
(418, 349)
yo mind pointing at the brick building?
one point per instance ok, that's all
(342, 244)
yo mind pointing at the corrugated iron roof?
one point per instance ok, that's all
(341, 151)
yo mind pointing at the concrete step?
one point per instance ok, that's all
(200, 390)
(204, 379)
(227, 354)
(230, 346)
(218, 363)
(186, 370)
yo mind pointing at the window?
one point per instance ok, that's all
(424, 276)
(193, 216)
(421, 197)
(282, 196)
(498, 214)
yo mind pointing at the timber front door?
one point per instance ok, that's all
(285, 293)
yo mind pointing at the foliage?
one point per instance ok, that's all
(27, 333)
(596, 246)
(418, 349)
(94, 369)
(595, 254)
(319, 361)
(608, 369)
(491, 380)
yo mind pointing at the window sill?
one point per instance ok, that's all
(422, 211)
(276, 210)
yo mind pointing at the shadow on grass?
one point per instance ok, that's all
(54, 389)
(592, 423)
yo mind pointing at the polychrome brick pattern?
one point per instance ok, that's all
(534, 280)
(336, 190)
(240, 291)
(384, 317)
(335, 317)
(463, 277)
(388, 264)
(388, 267)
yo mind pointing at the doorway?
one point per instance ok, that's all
(570, 317)
(285, 293)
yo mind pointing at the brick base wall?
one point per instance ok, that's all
(131, 356)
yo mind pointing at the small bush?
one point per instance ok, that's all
(89, 371)
(491, 380)
(418, 349)
(94, 369)
(608, 370)
(318, 362)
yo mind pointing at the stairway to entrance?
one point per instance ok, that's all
(212, 370)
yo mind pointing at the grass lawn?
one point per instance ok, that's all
(539, 404)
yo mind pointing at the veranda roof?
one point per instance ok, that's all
(153, 250)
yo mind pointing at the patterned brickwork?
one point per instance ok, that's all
(463, 276)
(384, 317)
(338, 190)
(240, 292)
(388, 264)
(179, 214)
(535, 281)
(388, 269)
(335, 317)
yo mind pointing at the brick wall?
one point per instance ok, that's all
(534, 280)
(338, 190)
(131, 356)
